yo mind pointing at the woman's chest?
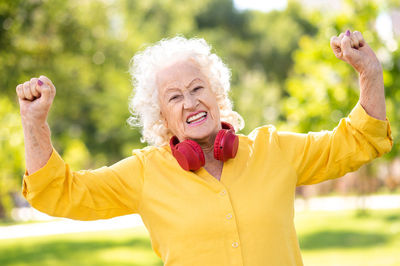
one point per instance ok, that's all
(178, 205)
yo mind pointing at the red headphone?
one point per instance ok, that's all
(190, 156)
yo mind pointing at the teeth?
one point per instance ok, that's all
(195, 117)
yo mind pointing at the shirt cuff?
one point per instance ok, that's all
(40, 179)
(379, 130)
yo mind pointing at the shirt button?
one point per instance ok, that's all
(229, 216)
(223, 193)
(235, 244)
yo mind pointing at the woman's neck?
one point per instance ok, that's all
(207, 145)
(212, 165)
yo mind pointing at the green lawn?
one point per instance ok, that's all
(349, 239)
(326, 238)
(117, 247)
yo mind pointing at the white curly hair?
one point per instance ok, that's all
(144, 103)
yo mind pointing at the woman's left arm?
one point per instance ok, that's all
(352, 48)
(362, 136)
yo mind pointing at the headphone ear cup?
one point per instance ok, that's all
(226, 145)
(218, 144)
(188, 153)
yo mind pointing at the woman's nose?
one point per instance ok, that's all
(190, 102)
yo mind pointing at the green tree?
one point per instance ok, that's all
(11, 155)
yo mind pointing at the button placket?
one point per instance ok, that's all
(231, 227)
(234, 255)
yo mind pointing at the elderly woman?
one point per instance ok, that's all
(206, 195)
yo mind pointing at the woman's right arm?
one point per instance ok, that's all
(52, 187)
(86, 194)
(35, 98)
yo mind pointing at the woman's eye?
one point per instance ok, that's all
(197, 88)
(174, 97)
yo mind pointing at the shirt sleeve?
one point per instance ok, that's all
(318, 156)
(88, 194)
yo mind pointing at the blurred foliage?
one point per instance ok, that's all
(283, 70)
(11, 155)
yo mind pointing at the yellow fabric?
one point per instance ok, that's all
(246, 218)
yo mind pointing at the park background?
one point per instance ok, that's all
(283, 73)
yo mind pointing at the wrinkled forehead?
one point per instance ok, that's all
(179, 74)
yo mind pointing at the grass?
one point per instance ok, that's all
(117, 247)
(12, 222)
(326, 238)
(350, 238)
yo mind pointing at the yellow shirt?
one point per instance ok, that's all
(246, 218)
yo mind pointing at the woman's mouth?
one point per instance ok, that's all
(196, 119)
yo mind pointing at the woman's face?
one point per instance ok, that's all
(188, 105)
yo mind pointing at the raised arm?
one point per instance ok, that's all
(52, 187)
(352, 48)
(362, 136)
(35, 99)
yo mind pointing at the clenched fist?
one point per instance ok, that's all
(352, 48)
(35, 98)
